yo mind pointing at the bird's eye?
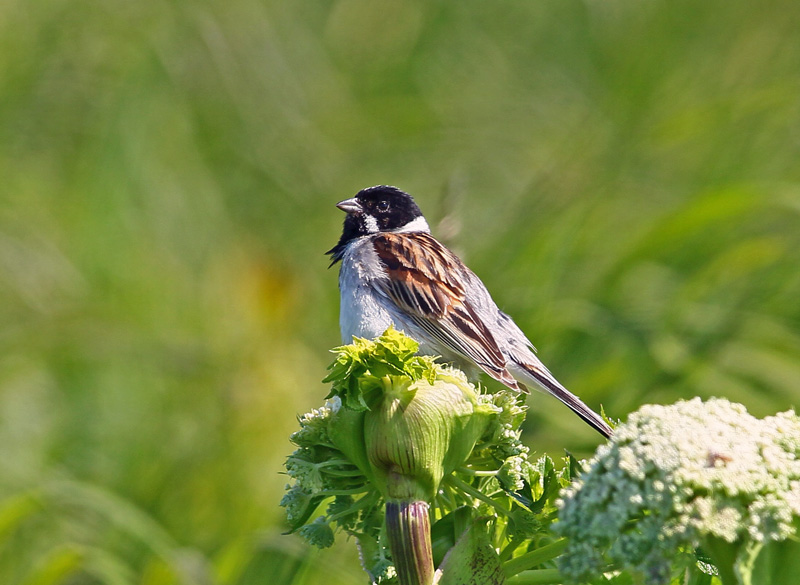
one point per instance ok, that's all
(383, 205)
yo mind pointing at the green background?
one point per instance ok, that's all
(623, 175)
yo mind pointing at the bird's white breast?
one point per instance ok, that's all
(363, 312)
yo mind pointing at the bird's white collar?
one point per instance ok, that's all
(415, 225)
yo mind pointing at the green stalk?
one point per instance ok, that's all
(539, 577)
(465, 487)
(534, 557)
(408, 528)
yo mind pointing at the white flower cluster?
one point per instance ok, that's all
(313, 425)
(674, 474)
(505, 442)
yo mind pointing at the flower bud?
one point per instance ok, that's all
(405, 421)
(418, 432)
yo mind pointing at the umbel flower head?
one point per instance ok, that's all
(675, 477)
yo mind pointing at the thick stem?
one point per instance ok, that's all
(408, 527)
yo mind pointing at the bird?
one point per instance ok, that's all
(395, 273)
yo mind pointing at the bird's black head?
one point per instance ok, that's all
(378, 209)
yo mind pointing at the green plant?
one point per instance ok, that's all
(675, 478)
(430, 477)
(422, 469)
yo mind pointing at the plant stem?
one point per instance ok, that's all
(465, 487)
(408, 528)
(477, 472)
(539, 577)
(509, 549)
(534, 557)
(362, 503)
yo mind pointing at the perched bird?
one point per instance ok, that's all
(394, 272)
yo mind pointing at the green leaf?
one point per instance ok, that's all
(473, 560)
(547, 484)
(57, 566)
(572, 469)
(15, 510)
(318, 533)
(360, 367)
(545, 577)
(535, 557)
(300, 505)
(778, 562)
(700, 574)
(346, 431)
(523, 524)
(446, 531)
(724, 555)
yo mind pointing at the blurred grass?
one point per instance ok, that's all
(624, 176)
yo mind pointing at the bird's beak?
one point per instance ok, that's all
(350, 206)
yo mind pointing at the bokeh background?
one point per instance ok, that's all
(624, 176)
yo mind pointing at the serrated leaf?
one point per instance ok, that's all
(548, 482)
(573, 467)
(309, 507)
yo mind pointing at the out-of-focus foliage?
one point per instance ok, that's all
(623, 175)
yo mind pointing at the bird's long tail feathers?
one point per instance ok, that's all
(540, 376)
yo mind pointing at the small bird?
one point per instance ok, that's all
(395, 273)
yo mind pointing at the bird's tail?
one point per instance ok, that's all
(538, 374)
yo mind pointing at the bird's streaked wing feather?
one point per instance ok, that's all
(421, 285)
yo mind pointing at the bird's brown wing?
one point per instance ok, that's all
(429, 283)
